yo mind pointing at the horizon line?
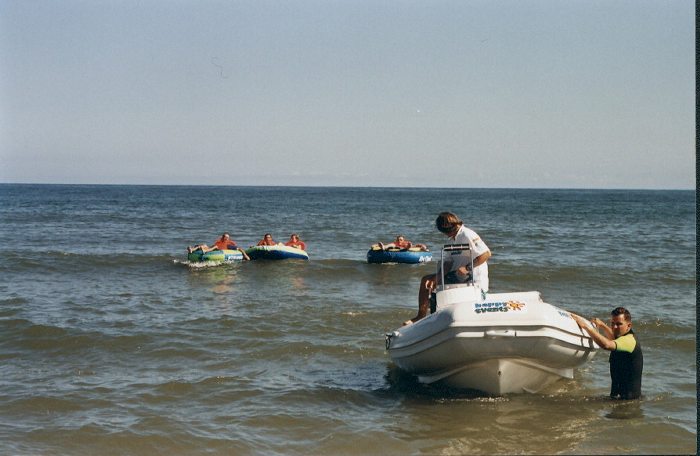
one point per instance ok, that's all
(346, 186)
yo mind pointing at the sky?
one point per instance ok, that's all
(407, 93)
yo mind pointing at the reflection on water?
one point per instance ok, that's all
(470, 422)
(298, 283)
(225, 284)
(218, 278)
(625, 410)
(445, 421)
(404, 383)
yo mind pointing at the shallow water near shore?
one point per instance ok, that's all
(112, 343)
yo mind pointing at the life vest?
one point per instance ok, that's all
(297, 244)
(222, 244)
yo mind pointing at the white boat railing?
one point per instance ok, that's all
(452, 257)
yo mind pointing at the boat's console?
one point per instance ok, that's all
(453, 285)
(454, 259)
(453, 294)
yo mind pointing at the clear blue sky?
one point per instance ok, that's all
(572, 94)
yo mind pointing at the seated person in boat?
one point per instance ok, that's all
(400, 243)
(267, 240)
(295, 242)
(451, 226)
(223, 243)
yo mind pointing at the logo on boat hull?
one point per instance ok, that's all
(507, 306)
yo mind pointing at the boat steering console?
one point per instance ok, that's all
(453, 258)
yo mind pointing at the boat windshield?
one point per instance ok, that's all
(450, 272)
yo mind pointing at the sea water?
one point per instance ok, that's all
(111, 343)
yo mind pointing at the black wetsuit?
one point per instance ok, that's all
(626, 372)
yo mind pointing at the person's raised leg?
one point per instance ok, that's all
(427, 284)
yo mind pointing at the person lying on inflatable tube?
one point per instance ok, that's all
(223, 243)
(400, 243)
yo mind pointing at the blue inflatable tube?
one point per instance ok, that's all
(410, 256)
(276, 252)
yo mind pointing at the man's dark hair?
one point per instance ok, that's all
(447, 221)
(621, 311)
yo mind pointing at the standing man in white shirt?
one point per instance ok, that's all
(451, 226)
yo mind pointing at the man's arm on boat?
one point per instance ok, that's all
(600, 339)
(600, 324)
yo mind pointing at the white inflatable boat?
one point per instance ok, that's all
(496, 343)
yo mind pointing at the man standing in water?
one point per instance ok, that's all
(451, 226)
(626, 359)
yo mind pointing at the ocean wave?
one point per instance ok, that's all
(23, 334)
(54, 260)
(12, 301)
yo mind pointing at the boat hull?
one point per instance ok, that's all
(215, 256)
(498, 344)
(398, 256)
(276, 252)
(497, 377)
